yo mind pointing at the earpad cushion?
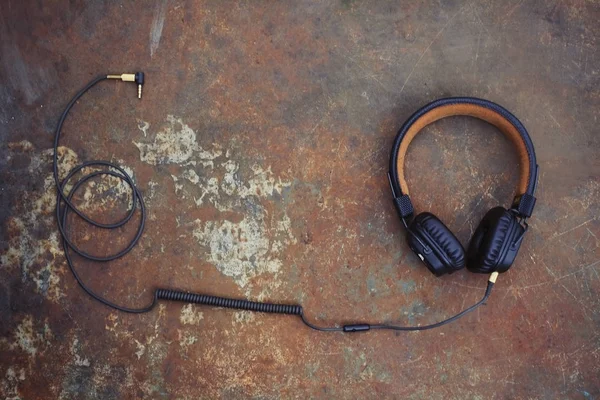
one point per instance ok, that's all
(489, 239)
(443, 239)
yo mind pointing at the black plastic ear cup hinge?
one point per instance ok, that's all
(519, 239)
(404, 206)
(523, 205)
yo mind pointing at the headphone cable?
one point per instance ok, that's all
(64, 205)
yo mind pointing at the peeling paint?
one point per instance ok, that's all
(244, 317)
(252, 246)
(10, 384)
(190, 316)
(191, 176)
(143, 126)
(175, 144)
(244, 249)
(186, 339)
(77, 359)
(141, 349)
(23, 146)
(31, 338)
(39, 258)
(241, 250)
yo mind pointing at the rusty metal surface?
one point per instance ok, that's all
(261, 147)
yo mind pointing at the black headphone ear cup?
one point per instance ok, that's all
(493, 246)
(443, 244)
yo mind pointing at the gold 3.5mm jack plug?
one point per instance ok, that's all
(138, 78)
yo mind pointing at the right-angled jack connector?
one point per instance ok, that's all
(138, 78)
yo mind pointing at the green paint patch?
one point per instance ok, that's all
(408, 286)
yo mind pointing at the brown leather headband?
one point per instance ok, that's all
(471, 110)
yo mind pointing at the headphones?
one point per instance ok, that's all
(496, 241)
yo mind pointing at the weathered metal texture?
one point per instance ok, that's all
(261, 147)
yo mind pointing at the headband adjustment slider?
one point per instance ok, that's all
(524, 204)
(404, 206)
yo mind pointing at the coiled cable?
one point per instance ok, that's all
(175, 295)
